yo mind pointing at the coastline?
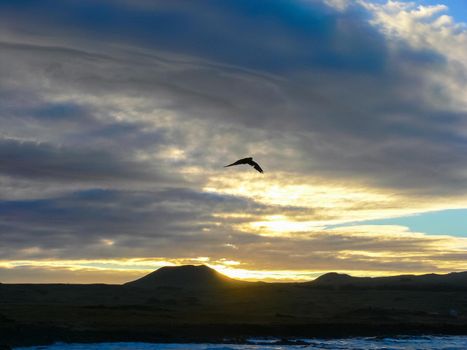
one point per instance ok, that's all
(33, 335)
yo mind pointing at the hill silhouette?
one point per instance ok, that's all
(186, 276)
(202, 276)
(454, 280)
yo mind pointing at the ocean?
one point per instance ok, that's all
(370, 343)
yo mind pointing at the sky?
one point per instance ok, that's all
(117, 117)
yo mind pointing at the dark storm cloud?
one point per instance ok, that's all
(356, 106)
(37, 161)
(276, 35)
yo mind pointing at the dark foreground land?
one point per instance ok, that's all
(196, 304)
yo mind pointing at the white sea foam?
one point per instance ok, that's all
(401, 343)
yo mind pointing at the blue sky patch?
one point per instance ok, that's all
(445, 222)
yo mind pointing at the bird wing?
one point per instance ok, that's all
(256, 166)
(241, 161)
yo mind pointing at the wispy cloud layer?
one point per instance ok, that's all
(117, 117)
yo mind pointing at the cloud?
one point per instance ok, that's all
(148, 222)
(178, 226)
(117, 117)
(37, 161)
(357, 250)
(384, 88)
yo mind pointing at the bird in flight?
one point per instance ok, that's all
(248, 161)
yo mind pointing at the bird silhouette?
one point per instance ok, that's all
(248, 161)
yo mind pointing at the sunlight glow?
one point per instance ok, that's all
(282, 227)
(331, 201)
(301, 205)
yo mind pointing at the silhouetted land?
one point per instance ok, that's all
(195, 303)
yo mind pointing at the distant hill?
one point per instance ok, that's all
(201, 276)
(187, 276)
(454, 280)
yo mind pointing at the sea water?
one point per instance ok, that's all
(406, 343)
